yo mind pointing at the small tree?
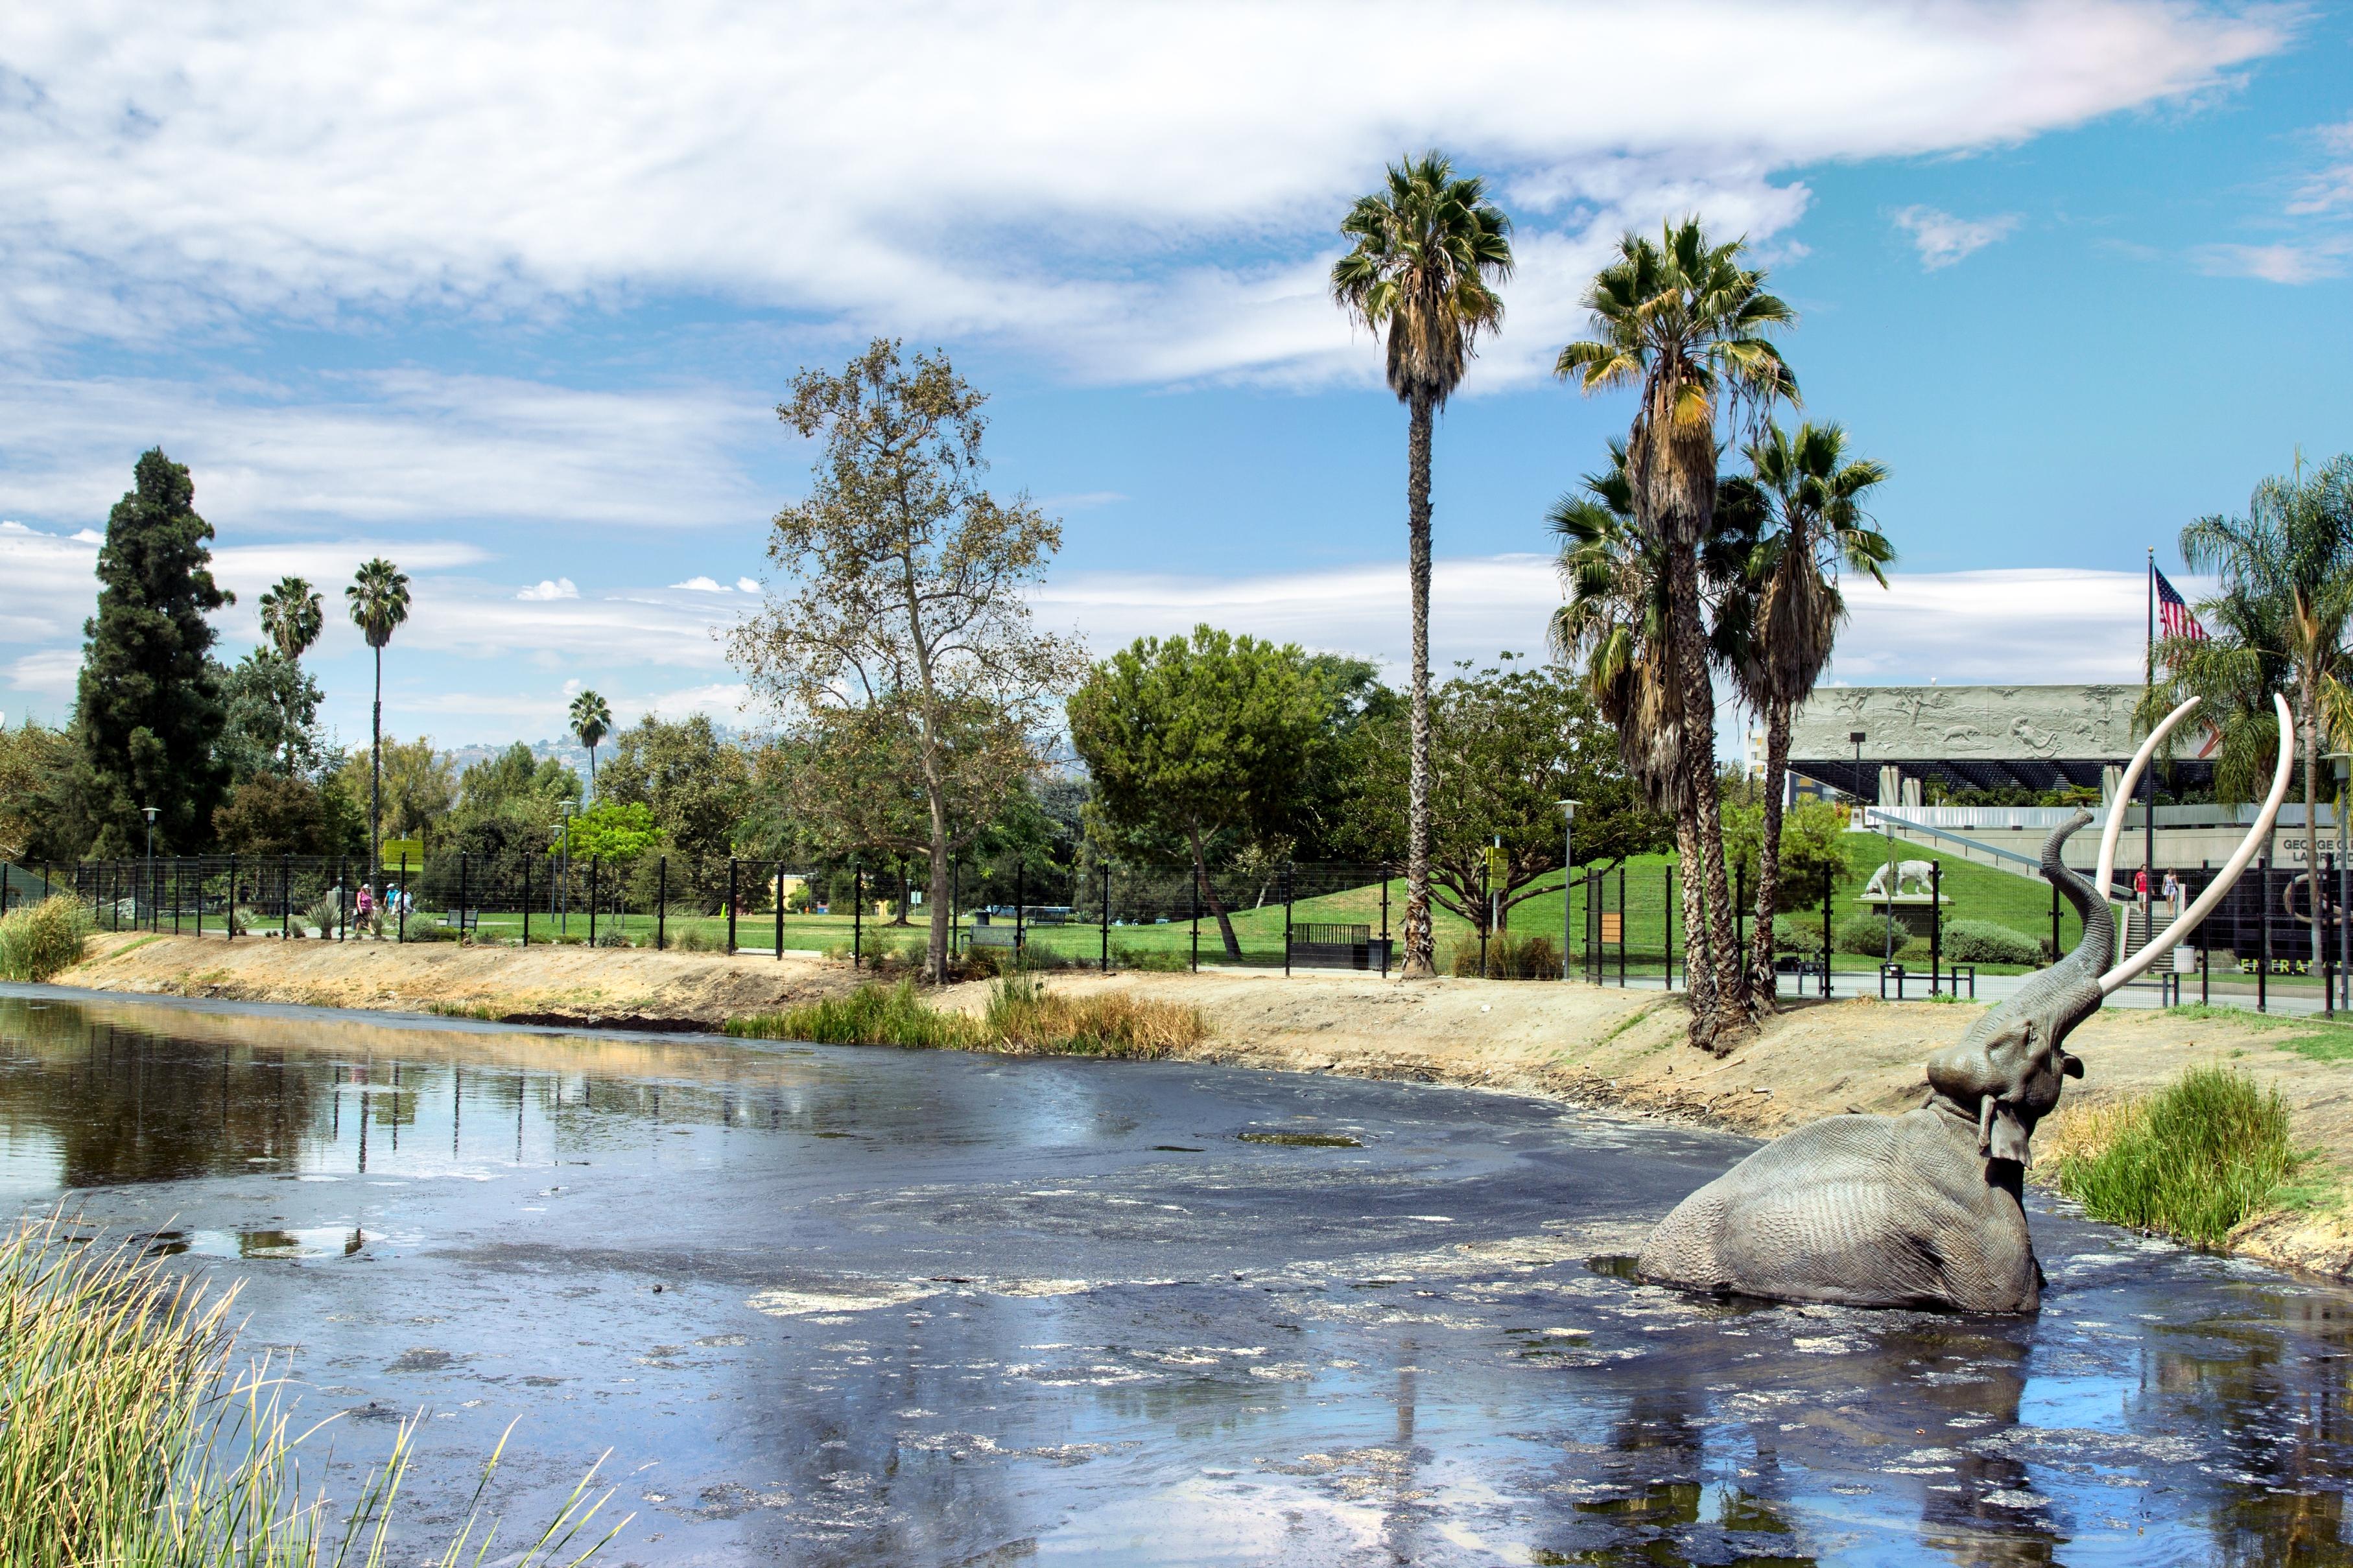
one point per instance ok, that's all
(910, 581)
(1186, 739)
(378, 598)
(148, 710)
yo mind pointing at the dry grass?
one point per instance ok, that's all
(1023, 1015)
(37, 940)
(132, 1434)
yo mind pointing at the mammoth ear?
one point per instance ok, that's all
(2008, 1138)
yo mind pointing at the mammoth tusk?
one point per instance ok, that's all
(2131, 968)
(2109, 835)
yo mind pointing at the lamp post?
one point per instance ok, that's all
(151, 812)
(1568, 863)
(2342, 762)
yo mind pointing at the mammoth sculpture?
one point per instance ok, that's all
(1925, 1209)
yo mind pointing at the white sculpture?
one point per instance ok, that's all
(1917, 872)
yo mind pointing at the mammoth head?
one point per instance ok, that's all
(2010, 1077)
(2009, 1068)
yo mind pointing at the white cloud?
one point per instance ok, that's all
(2288, 262)
(702, 585)
(393, 447)
(561, 588)
(747, 586)
(1943, 239)
(1146, 192)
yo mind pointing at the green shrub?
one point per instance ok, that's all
(1797, 935)
(694, 939)
(1866, 936)
(613, 936)
(1983, 942)
(39, 939)
(2204, 1153)
(1529, 957)
(1158, 959)
(433, 930)
(1023, 1015)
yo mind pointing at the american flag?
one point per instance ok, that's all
(2173, 612)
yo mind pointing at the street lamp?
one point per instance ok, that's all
(1568, 862)
(151, 856)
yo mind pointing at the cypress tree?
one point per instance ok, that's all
(149, 708)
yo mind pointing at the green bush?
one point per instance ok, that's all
(1797, 935)
(39, 939)
(1865, 936)
(613, 936)
(433, 930)
(1529, 957)
(1983, 942)
(694, 939)
(2207, 1151)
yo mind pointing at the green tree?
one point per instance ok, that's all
(273, 717)
(1684, 323)
(378, 600)
(1426, 253)
(272, 814)
(417, 785)
(292, 617)
(1188, 737)
(911, 581)
(592, 720)
(1813, 846)
(693, 781)
(2277, 621)
(615, 832)
(148, 708)
(38, 820)
(1811, 497)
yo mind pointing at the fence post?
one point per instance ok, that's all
(1667, 914)
(2056, 950)
(1385, 920)
(461, 897)
(400, 912)
(2264, 933)
(1020, 903)
(200, 897)
(661, 904)
(1196, 880)
(731, 906)
(285, 896)
(1621, 925)
(857, 914)
(1740, 925)
(955, 904)
(1935, 921)
(1287, 919)
(1484, 905)
(2205, 945)
(594, 861)
(1105, 967)
(779, 890)
(526, 901)
(230, 906)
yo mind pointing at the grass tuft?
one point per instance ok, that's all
(2192, 1162)
(39, 939)
(1022, 1015)
(132, 1435)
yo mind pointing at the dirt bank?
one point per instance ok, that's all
(1623, 1050)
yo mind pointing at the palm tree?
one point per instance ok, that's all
(1426, 252)
(1682, 321)
(592, 721)
(2277, 623)
(1811, 524)
(1616, 620)
(378, 599)
(292, 617)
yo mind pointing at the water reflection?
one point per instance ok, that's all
(867, 1308)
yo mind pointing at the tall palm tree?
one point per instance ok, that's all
(378, 600)
(1426, 252)
(2277, 623)
(1615, 619)
(1811, 527)
(592, 721)
(292, 617)
(1684, 322)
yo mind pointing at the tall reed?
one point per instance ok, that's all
(132, 1435)
(2192, 1162)
(36, 941)
(1022, 1014)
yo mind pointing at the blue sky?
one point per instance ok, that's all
(509, 298)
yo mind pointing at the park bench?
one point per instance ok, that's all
(1949, 980)
(1007, 937)
(1317, 944)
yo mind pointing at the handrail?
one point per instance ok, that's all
(2034, 864)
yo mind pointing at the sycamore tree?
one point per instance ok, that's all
(1187, 739)
(906, 583)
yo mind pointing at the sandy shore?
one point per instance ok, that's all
(1597, 1046)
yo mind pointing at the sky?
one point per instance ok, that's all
(509, 295)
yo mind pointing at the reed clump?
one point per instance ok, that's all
(2208, 1151)
(40, 940)
(1022, 1014)
(132, 1434)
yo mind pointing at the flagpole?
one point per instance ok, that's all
(2148, 818)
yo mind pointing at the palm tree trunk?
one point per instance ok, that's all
(1421, 949)
(1761, 999)
(1699, 769)
(1699, 973)
(375, 774)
